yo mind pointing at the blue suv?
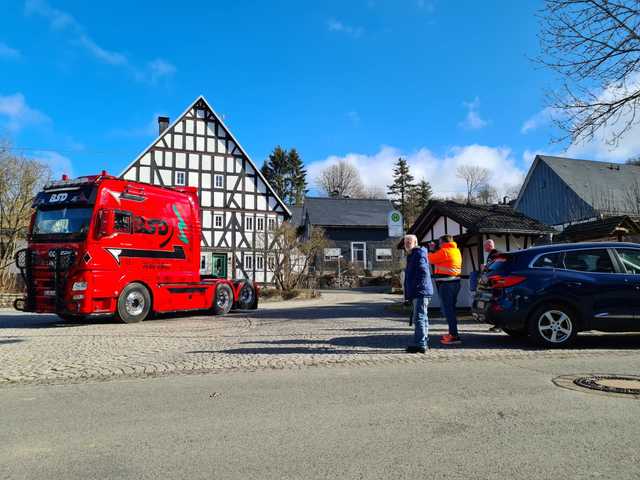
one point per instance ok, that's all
(550, 293)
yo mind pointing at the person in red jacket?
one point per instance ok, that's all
(447, 261)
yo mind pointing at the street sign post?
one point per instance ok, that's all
(395, 223)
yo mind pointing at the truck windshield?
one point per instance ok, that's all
(62, 221)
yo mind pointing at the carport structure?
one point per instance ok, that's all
(470, 225)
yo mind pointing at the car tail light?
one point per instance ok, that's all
(505, 281)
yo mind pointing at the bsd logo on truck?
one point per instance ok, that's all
(58, 197)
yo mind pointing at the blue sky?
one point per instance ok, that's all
(442, 83)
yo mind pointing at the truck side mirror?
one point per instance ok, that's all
(105, 223)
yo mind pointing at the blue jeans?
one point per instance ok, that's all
(421, 321)
(448, 292)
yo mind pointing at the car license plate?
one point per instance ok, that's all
(480, 304)
(49, 293)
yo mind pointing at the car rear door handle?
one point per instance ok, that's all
(574, 284)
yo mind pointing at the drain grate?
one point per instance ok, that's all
(603, 384)
(610, 383)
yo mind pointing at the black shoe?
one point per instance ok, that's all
(412, 349)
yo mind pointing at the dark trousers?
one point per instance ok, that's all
(448, 292)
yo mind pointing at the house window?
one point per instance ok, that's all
(219, 181)
(271, 224)
(331, 254)
(248, 261)
(181, 178)
(259, 262)
(271, 263)
(122, 222)
(248, 223)
(260, 224)
(383, 255)
(217, 221)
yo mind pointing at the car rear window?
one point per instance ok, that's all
(548, 260)
(593, 260)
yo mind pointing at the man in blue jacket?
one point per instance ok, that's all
(418, 289)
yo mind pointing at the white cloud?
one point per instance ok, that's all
(473, 120)
(58, 163)
(337, 26)
(540, 119)
(377, 169)
(8, 53)
(63, 21)
(16, 113)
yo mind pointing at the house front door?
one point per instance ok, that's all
(219, 265)
(359, 254)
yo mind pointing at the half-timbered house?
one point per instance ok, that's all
(239, 209)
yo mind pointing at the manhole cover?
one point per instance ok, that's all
(610, 383)
(607, 384)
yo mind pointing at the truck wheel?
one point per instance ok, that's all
(134, 303)
(247, 297)
(223, 300)
(553, 326)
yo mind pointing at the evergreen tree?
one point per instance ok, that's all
(297, 187)
(285, 173)
(419, 196)
(400, 189)
(275, 170)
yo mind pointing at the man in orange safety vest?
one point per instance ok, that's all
(447, 261)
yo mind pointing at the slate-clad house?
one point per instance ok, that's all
(560, 191)
(240, 210)
(470, 225)
(356, 229)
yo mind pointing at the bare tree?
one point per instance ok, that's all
(487, 194)
(475, 178)
(512, 190)
(20, 180)
(341, 179)
(296, 254)
(594, 46)
(373, 192)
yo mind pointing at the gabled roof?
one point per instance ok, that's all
(347, 212)
(600, 228)
(605, 186)
(479, 218)
(228, 132)
(297, 215)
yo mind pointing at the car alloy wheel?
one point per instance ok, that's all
(555, 326)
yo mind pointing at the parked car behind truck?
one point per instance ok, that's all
(551, 293)
(100, 245)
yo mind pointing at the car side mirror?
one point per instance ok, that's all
(105, 223)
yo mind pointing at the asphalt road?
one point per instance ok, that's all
(494, 419)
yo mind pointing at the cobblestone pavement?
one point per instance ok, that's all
(341, 327)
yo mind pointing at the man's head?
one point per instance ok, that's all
(445, 239)
(489, 245)
(410, 242)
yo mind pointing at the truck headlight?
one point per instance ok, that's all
(79, 286)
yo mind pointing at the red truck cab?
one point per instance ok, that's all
(100, 245)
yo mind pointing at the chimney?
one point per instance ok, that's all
(163, 124)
